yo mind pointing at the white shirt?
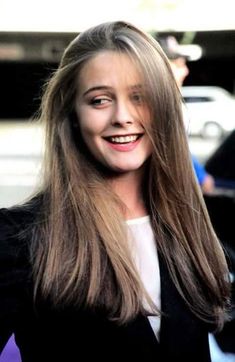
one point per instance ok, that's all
(145, 257)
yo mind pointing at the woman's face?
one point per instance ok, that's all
(112, 111)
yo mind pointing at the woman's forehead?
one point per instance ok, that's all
(110, 68)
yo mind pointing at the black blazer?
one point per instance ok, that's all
(45, 334)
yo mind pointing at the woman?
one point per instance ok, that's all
(116, 252)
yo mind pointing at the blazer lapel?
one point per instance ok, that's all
(141, 331)
(182, 334)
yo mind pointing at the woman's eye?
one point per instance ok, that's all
(137, 98)
(99, 101)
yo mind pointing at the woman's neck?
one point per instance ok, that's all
(128, 187)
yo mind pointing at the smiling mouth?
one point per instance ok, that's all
(123, 139)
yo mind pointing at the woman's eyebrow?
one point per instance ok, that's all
(105, 87)
(136, 87)
(95, 88)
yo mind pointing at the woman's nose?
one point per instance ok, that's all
(123, 113)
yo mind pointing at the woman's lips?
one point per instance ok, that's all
(124, 143)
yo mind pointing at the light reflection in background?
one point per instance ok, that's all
(76, 15)
(21, 150)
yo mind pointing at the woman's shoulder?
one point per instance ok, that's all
(17, 217)
(15, 260)
(15, 225)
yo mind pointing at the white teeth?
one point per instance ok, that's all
(124, 139)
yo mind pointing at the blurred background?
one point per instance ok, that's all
(33, 35)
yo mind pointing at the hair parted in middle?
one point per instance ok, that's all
(87, 258)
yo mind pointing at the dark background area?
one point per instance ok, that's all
(24, 71)
(217, 64)
(214, 70)
(21, 87)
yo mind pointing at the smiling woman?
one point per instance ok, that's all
(112, 112)
(117, 243)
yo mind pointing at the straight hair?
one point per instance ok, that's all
(80, 251)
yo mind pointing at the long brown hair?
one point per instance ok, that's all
(80, 250)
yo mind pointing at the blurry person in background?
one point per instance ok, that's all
(178, 62)
(178, 59)
(206, 181)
